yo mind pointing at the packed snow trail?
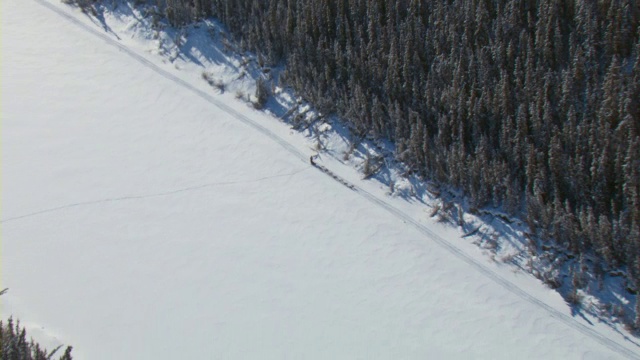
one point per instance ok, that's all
(178, 81)
(506, 284)
(569, 321)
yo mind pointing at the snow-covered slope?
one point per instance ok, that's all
(140, 220)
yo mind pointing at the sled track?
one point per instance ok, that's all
(506, 284)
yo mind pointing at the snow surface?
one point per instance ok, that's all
(141, 220)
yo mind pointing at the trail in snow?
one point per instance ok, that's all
(179, 81)
(567, 320)
(506, 284)
(146, 196)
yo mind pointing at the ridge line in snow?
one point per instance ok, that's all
(506, 284)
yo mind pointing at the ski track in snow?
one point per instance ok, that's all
(506, 284)
(146, 196)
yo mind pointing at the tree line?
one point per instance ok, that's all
(14, 344)
(530, 105)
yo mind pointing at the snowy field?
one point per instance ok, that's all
(140, 220)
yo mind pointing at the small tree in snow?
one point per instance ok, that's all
(636, 323)
(262, 93)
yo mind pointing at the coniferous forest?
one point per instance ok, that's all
(533, 106)
(14, 345)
